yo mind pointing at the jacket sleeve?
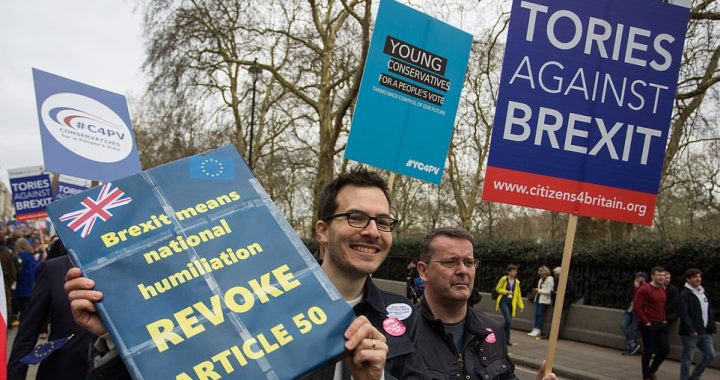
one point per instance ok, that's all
(547, 286)
(519, 296)
(501, 286)
(672, 307)
(685, 319)
(106, 362)
(639, 302)
(413, 366)
(32, 322)
(710, 328)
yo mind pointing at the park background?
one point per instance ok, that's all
(279, 80)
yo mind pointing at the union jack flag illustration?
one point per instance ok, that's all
(93, 209)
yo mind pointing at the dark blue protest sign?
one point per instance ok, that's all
(31, 192)
(68, 185)
(584, 106)
(85, 131)
(201, 275)
(409, 95)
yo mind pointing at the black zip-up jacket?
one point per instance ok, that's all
(672, 303)
(403, 359)
(484, 355)
(691, 320)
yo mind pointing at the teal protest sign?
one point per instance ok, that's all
(201, 275)
(409, 94)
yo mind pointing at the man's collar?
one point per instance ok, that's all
(371, 296)
(472, 324)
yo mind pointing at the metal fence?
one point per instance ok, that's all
(597, 285)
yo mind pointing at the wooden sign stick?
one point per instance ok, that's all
(560, 296)
(391, 181)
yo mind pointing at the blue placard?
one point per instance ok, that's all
(85, 131)
(200, 272)
(584, 107)
(30, 193)
(409, 94)
(68, 186)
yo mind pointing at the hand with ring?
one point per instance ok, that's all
(369, 350)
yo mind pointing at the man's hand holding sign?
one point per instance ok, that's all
(205, 284)
(367, 344)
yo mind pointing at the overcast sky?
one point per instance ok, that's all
(90, 41)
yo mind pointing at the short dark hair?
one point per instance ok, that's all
(657, 269)
(453, 232)
(360, 177)
(511, 268)
(692, 272)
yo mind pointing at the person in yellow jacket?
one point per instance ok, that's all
(509, 298)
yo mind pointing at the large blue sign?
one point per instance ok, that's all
(85, 131)
(409, 95)
(584, 107)
(201, 275)
(31, 192)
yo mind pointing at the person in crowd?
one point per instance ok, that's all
(672, 302)
(456, 341)
(629, 323)
(8, 261)
(354, 230)
(649, 306)
(543, 298)
(26, 276)
(696, 326)
(49, 304)
(570, 297)
(414, 284)
(509, 298)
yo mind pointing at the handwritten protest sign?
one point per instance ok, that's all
(409, 95)
(583, 112)
(31, 192)
(201, 275)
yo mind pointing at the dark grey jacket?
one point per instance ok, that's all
(691, 320)
(484, 355)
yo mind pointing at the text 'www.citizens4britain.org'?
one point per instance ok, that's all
(583, 197)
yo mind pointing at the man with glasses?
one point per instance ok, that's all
(457, 342)
(354, 231)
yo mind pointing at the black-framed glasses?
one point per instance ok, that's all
(360, 219)
(454, 263)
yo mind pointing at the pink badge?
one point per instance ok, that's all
(490, 338)
(393, 327)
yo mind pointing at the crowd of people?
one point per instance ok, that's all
(442, 337)
(23, 248)
(655, 304)
(34, 268)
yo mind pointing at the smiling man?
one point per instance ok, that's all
(354, 229)
(456, 341)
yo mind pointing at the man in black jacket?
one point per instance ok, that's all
(696, 325)
(672, 303)
(457, 342)
(49, 304)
